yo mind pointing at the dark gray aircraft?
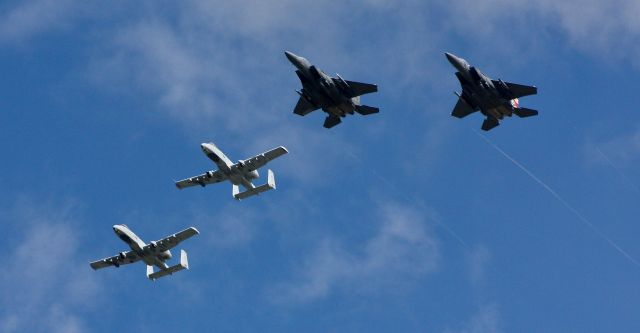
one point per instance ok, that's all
(494, 98)
(334, 95)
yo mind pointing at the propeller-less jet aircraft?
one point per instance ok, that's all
(494, 98)
(241, 173)
(334, 95)
(156, 253)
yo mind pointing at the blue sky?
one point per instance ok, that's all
(407, 220)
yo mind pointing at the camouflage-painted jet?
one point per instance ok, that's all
(333, 95)
(494, 98)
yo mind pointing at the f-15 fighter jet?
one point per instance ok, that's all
(156, 253)
(494, 98)
(333, 95)
(241, 173)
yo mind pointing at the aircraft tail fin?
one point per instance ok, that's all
(524, 112)
(490, 123)
(184, 264)
(331, 121)
(366, 110)
(270, 185)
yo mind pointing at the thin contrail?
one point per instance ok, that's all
(562, 201)
(411, 201)
(609, 161)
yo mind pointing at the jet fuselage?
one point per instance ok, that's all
(233, 171)
(320, 89)
(479, 90)
(147, 252)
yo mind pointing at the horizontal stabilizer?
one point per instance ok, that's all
(184, 264)
(366, 110)
(270, 185)
(490, 123)
(524, 112)
(331, 121)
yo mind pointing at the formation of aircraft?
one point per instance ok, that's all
(337, 97)
(156, 253)
(241, 173)
(494, 98)
(334, 95)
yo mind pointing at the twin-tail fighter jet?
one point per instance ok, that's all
(494, 98)
(156, 253)
(334, 95)
(241, 173)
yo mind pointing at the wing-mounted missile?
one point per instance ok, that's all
(341, 83)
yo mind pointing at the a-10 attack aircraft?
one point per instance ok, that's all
(334, 95)
(494, 98)
(241, 173)
(156, 253)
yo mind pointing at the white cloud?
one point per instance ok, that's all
(485, 320)
(229, 228)
(24, 19)
(402, 251)
(596, 27)
(479, 258)
(45, 286)
(620, 151)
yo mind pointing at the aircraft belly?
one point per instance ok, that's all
(149, 260)
(334, 110)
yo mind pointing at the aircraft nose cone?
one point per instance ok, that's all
(452, 58)
(292, 57)
(457, 62)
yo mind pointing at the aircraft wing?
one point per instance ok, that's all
(259, 161)
(303, 107)
(462, 109)
(170, 242)
(206, 178)
(519, 90)
(359, 88)
(117, 260)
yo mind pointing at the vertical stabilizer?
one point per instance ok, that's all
(271, 179)
(184, 262)
(235, 190)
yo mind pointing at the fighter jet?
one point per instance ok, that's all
(241, 173)
(334, 95)
(494, 98)
(156, 253)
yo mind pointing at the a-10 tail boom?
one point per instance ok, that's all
(184, 264)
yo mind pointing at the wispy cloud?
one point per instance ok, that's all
(22, 20)
(592, 26)
(45, 285)
(620, 151)
(402, 250)
(486, 320)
